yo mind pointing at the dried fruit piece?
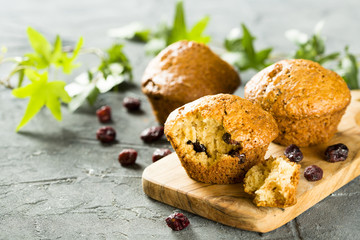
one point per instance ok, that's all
(198, 147)
(177, 221)
(336, 153)
(313, 173)
(235, 153)
(106, 134)
(293, 153)
(227, 139)
(160, 153)
(131, 103)
(127, 157)
(104, 114)
(152, 134)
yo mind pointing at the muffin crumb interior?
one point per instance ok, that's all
(273, 182)
(205, 139)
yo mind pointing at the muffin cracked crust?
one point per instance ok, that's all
(219, 138)
(184, 72)
(306, 100)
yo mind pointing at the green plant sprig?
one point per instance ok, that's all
(41, 93)
(313, 48)
(164, 35)
(241, 50)
(114, 69)
(242, 55)
(36, 66)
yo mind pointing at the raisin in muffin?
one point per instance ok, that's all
(184, 72)
(273, 182)
(306, 100)
(218, 138)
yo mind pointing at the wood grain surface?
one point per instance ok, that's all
(167, 181)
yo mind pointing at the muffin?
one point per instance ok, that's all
(219, 138)
(306, 100)
(184, 72)
(273, 182)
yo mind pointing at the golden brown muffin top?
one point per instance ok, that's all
(187, 70)
(244, 121)
(298, 88)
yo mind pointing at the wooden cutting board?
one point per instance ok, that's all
(167, 182)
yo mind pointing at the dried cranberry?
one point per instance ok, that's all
(235, 153)
(104, 114)
(336, 153)
(198, 147)
(293, 153)
(177, 221)
(160, 153)
(227, 139)
(106, 134)
(131, 103)
(152, 134)
(127, 157)
(313, 173)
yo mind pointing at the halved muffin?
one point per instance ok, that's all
(219, 138)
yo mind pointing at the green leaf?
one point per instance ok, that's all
(196, 33)
(178, 31)
(164, 34)
(233, 41)
(53, 104)
(41, 93)
(23, 92)
(91, 98)
(67, 63)
(77, 48)
(329, 57)
(21, 77)
(116, 55)
(154, 46)
(34, 106)
(241, 51)
(243, 62)
(348, 69)
(3, 49)
(57, 52)
(46, 54)
(79, 99)
(263, 55)
(311, 48)
(56, 88)
(34, 76)
(35, 60)
(114, 69)
(105, 85)
(318, 44)
(247, 43)
(134, 31)
(39, 43)
(84, 87)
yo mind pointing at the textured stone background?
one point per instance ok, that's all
(57, 181)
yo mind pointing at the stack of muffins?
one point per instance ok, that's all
(218, 138)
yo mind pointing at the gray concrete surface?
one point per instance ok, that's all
(58, 182)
